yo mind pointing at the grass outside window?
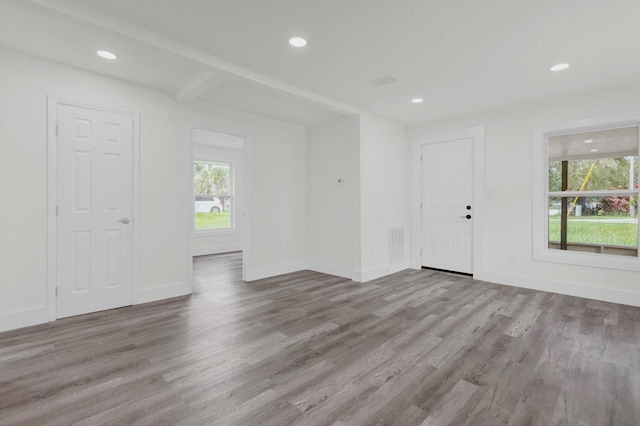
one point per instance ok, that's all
(206, 221)
(610, 231)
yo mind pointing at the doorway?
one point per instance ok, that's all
(448, 201)
(92, 220)
(218, 184)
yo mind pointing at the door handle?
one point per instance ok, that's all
(466, 217)
(124, 220)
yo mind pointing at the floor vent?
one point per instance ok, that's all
(396, 244)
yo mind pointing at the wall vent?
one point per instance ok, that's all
(396, 244)
(383, 81)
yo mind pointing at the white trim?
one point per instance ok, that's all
(203, 251)
(540, 192)
(477, 134)
(146, 295)
(247, 214)
(191, 215)
(26, 318)
(379, 272)
(52, 196)
(563, 287)
(272, 271)
(336, 270)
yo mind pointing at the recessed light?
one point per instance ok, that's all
(595, 150)
(417, 100)
(106, 54)
(588, 141)
(559, 67)
(297, 42)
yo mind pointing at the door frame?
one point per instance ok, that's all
(247, 197)
(52, 196)
(477, 134)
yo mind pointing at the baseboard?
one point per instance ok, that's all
(336, 270)
(382, 271)
(26, 318)
(253, 274)
(203, 251)
(153, 294)
(562, 287)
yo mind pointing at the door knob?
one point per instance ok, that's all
(124, 220)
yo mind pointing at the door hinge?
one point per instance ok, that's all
(56, 291)
(420, 205)
(56, 130)
(420, 154)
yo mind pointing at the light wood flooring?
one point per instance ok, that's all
(414, 348)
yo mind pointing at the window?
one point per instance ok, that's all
(213, 190)
(590, 198)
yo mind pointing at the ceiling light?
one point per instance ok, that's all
(297, 42)
(595, 150)
(417, 100)
(588, 141)
(559, 67)
(106, 54)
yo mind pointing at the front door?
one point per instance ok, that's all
(447, 211)
(94, 234)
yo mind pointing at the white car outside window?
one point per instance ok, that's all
(207, 204)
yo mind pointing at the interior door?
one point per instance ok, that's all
(447, 211)
(94, 235)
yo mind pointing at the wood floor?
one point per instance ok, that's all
(414, 348)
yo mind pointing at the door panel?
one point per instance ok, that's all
(447, 190)
(94, 269)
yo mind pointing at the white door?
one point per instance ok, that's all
(447, 211)
(94, 234)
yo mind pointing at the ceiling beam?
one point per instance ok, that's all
(198, 86)
(93, 19)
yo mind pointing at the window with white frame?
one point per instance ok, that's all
(213, 195)
(589, 203)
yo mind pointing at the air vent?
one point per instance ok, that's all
(383, 81)
(396, 245)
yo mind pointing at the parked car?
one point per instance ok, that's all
(207, 204)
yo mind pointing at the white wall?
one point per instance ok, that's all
(332, 208)
(225, 240)
(385, 181)
(508, 216)
(278, 240)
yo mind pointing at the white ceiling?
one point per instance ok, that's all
(460, 57)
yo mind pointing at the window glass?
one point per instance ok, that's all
(213, 195)
(601, 169)
(593, 224)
